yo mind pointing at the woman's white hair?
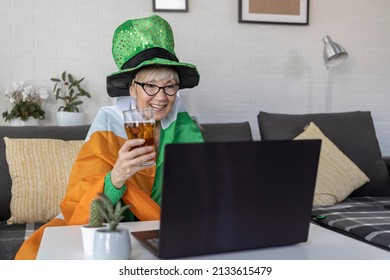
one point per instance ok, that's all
(157, 73)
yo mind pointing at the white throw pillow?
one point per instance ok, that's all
(337, 175)
(39, 170)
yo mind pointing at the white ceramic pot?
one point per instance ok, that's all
(69, 118)
(112, 245)
(29, 122)
(88, 235)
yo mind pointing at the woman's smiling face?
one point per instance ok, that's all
(160, 76)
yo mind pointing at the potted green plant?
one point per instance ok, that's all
(95, 222)
(111, 242)
(26, 100)
(69, 90)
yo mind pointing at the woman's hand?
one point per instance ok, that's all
(130, 159)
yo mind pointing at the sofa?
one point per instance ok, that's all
(354, 198)
(37, 140)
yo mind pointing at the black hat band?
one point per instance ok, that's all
(149, 54)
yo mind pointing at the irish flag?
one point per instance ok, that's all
(177, 127)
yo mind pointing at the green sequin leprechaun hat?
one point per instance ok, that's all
(138, 43)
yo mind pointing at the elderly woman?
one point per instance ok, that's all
(150, 75)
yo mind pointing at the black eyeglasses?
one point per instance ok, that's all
(152, 90)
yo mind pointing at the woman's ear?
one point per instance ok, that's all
(132, 91)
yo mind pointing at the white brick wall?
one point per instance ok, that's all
(244, 68)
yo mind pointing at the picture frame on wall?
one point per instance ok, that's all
(274, 11)
(170, 5)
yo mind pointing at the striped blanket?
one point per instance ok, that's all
(12, 237)
(364, 218)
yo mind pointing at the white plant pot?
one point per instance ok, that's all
(112, 245)
(88, 235)
(29, 122)
(69, 118)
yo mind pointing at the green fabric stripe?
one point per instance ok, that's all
(114, 195)
(110, 191)
(183, 130)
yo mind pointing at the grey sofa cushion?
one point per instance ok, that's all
(352, 132)
(217, 132)
(53, 132)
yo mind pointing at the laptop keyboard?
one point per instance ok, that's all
(154, 242)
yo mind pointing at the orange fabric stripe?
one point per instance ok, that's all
(29, 249)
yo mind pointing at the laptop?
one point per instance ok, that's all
(229, 196)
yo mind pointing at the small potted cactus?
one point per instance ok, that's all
(95, 222)
(95, 218)
(111, 242)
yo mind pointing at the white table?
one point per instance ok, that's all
(64, 243)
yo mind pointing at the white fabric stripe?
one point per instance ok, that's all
(349, 204)
(336, 207)
(29, 230)
(60, 216)
(331, 223)
(110, 118)
(376, 233)
(178, 107)
(365, 225)
(357, 212)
